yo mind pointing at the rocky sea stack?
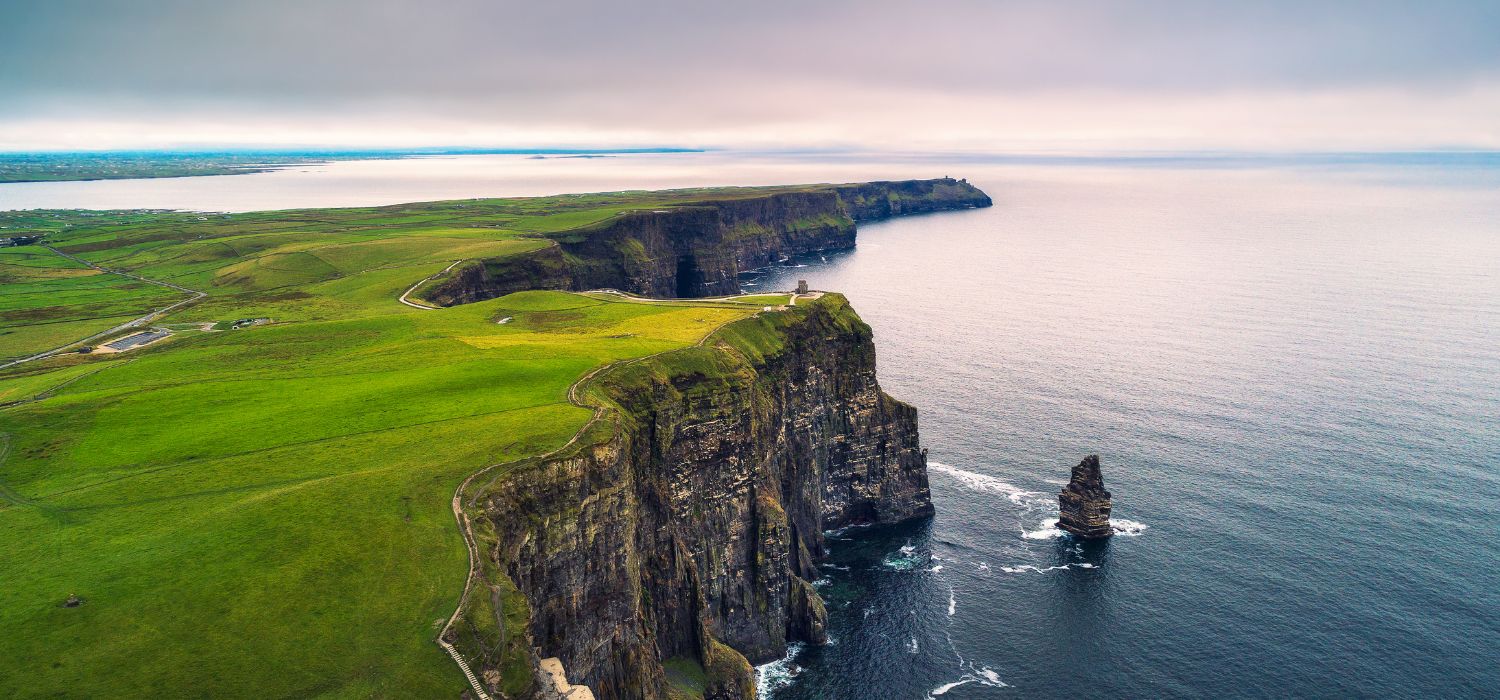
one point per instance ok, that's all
(1084, 504)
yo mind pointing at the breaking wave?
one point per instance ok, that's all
(982, 675)
(1041, 570)
(904, 559)
(983, 482)
(1046, 531)
(778, 674)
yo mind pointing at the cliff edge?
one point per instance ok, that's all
(682, 530)
(697, 246)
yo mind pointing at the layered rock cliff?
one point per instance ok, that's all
(698, 247)
(685, 526)
(1084, 505)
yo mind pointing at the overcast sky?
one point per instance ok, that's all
(929, 74)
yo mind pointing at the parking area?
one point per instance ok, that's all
(131, 342)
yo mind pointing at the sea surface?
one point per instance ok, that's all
(1289, 366)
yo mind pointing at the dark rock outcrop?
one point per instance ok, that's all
(691, 528)
(1083, 504)
(872, 201)
(698, 247)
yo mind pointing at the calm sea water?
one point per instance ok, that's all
(1291, 369)
(1293, 379)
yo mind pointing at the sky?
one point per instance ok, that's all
(950, 75)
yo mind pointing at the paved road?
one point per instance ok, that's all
(148, 318)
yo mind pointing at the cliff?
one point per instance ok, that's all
(698, 247)
(682, 530)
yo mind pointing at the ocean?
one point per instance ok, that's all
(1292, 376)
(1290, 367)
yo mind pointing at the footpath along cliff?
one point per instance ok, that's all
(673, 544)
(686, 526)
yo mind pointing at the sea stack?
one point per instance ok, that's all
(1083, 504)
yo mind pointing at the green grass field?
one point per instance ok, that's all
(265, 512)
(50, 300)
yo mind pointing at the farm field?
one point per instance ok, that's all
(278, 493)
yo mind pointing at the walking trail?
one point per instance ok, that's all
(575, 397)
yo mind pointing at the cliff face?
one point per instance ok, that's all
(688, 526)
(872, 201)
(698, 248)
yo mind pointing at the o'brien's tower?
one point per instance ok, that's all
(1083, 503)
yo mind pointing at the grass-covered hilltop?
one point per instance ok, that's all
(230, 444)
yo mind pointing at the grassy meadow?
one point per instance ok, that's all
(265, 512)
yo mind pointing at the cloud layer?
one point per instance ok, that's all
(943, 73)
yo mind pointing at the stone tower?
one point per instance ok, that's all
(801, 286)
(1083, 504)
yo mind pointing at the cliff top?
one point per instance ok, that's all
(280, 465)
(266, 505)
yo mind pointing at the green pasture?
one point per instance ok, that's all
(265, 512)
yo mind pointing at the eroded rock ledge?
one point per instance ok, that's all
(698, 248)
(685, 529)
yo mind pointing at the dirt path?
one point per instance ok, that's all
(403, 298)
(148, 318)
(575, 397)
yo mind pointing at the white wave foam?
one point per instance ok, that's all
(991, 678)
(952, 601)
(936, 569)
(904, 559)
(983, 675)
(944, 688)
(984, 566)
(1047, 531)
(984, 482)
(1127, 528)
(778, 674)
(1042, 570)
(912, 647)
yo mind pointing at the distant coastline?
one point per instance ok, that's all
(79, 166)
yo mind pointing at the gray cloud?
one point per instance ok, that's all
(661, 65)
